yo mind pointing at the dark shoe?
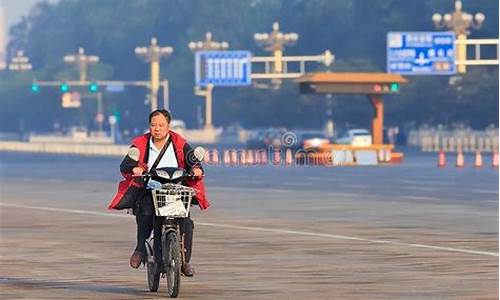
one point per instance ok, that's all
(136, 259)
(187, 270)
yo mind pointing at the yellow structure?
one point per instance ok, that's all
(153, 55)
(82, 61)
(275, 42)
(459, 22)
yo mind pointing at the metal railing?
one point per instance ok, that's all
(477, 60)
(326, 58)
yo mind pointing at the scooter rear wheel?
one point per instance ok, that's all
(153, 269)
(153, 277)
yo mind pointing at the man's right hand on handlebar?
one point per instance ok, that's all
(137, 171)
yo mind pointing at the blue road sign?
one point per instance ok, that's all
(421, 53)
(115, 88)
(223, 68)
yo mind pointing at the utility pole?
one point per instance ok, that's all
(153, 54)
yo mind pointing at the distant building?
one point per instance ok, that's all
(3, 39)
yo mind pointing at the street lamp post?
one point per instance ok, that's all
(82, 61)
(207, 45)
(20, 62)
(460, 22)
(275, 42)
(153, 54)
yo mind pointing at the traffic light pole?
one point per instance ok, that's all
(166, 100)
(207, 93)
(100, 113)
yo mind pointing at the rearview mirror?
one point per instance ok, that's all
(133, 153)
(199, 153)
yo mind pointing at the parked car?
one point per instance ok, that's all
(312, 140)
(356, 137)
(274, 137)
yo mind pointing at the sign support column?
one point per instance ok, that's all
(208, 107)
(378, 119)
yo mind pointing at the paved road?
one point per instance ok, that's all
(404, 232)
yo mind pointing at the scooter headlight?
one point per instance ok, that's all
(177, 174)
(163, 174)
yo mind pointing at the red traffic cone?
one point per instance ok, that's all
(277, 157)
(250, 157)
(441, 159)
(243, 158)
(234, 157)
(215, 157)
(478, 160)
(460, 159)
(263, 157)
(227, 158)
(206, 159)
(257, 157)
(494, 162)
(288, 157)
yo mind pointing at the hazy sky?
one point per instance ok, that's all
(14, 9)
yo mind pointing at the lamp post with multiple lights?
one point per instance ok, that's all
(82, 61)
(153, 54)
(275, 42)
(459, 22)
(20, 62)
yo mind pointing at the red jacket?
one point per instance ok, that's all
(126, 186)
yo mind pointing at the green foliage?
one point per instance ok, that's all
(355, 31)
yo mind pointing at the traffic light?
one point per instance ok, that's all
(35, 88)
(93, 87)
(394, 87)
(64, 87)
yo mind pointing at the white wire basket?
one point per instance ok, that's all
(173, 200)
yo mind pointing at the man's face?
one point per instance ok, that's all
(159, 127)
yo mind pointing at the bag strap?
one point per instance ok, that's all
(163, 150)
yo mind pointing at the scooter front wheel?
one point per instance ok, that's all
(172, 261)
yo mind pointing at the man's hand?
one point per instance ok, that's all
(137, 171)
(197, 172)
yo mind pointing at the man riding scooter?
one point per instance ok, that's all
(159, 148)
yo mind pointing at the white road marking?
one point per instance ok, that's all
(225, 188)
(354, 195)
(484, 191)
(269, 230)
(412, 197)
(423, 188)
(343, 237)
(423, 182)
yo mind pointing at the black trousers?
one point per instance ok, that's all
(147, 223)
